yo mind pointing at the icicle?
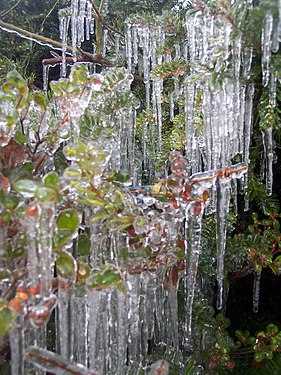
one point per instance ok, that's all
(17, 343)
(104, 41)
(66, 322)
(189, 94)
(248, 126)
(256, 291)
(158, 88)
(150, 302)
(172, 106)
(117, 46)
(89, 20)
(45, 247)
(93, 327)
(63, 28)
(81, 317)
(135, 46)
(129, 52)
(266, 47)
(122, 332)
(143, 316)
(268, 157)
(81, 22)
(99, 336)
(45, 77)
(237, 56)
(74, 26)
(247, 62)
(54, 363)
(160, 316)
(223, 187)
(272, 90)
(134, 340)
(173, 307)
(279, 21)
(146, 65)
(194, 214)
(248, 130)
(234, 196)
(275, 41)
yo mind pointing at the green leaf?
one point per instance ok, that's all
(79, 74)
(84, 244)
(9, 200)
(45, 194)
(21, 172)
(67, 226)
(99, 217)
(7, 319)
(276, 225)
(16, 80)
(26, 188)
(265, 222)
(106, 278)
(66, 265)
(56, 88)
(40, 100)
(51, 179)
(5, 275)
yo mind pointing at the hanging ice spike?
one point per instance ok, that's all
(223, 195)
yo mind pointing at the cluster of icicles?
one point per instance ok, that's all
(108, 331)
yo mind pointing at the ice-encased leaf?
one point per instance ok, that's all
(67, 226)
(40, 100)
(26, 188)
(66, 265)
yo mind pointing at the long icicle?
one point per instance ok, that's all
(194, 214)
(223, 188)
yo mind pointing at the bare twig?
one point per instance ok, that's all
(48, 14)
(9, 10)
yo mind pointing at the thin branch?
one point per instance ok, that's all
(9, 10)
(50, 42)
(51, 361)
(48, 14)
(222, 173)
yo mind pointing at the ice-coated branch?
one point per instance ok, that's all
(44, 41)
(55, 363)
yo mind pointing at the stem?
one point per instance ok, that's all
(101, 5)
